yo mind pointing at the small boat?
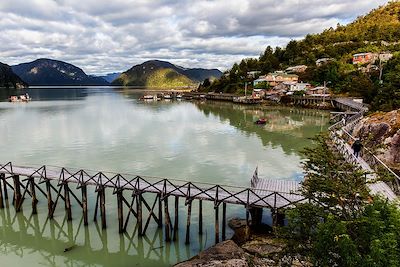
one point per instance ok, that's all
(261, 121)
(20, 98)
(148, 97)
(167, 97)
(179, 96)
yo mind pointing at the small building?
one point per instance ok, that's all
(364, 58)
(322, 61)
(385, 56)
(278, 77)
(296, 69)
(253, 74)
(295, 86)
(318, 91)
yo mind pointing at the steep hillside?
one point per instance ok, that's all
(8, 79)
(377, 32)
(54, 72)
(145, 74)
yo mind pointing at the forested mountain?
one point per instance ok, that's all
(53, 72)
(8, 79)
(157, 73)
(377, 32)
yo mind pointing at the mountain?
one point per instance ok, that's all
(109, 77)
(157, 73)
(53, 72)
(8, 79)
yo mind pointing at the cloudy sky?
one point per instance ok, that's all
(102, 36)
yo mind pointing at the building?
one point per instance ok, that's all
(385, 56)
(295, 86)
(318, 91)
(253, 74)
(322, 61)
(296, 69)
(364, 58)
(275, 78)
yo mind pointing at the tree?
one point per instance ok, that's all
(342, 226)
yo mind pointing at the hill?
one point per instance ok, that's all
(376, 32)
(53, 72)
(163, 74)
(8, 79)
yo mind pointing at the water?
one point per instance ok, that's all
(111, 130)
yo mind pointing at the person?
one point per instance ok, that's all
(357, 145)
(344, 120)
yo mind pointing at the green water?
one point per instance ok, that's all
(111, 130)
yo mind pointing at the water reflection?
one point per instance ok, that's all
(72, 244)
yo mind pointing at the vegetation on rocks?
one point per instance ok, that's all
(344, 226)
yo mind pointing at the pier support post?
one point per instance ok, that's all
(256, 216)
(223, 221)
(3, 177)
(278, 218)
(176, 218)
(120, 212)
(216, 208)
(200, 217)
(187, 240)
(159, 211)
(1, 195)
(84, 205)
(17, 193)
(68, 208)
(139, 214)
(49, 200)
(103, 208)
(33, 193)
(167, 221)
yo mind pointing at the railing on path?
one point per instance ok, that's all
(339, 133)
(56, 188)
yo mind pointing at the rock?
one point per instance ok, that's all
(382, 130)
(224, 254)
(242, 231)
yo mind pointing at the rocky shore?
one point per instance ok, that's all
(256, 246)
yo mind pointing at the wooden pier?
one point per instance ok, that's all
(53, 184)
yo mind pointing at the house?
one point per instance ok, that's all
(295, 86)
(275, 78)
(296, 69)
(385, 56)
(323, 61)
(318, 91)
(253, 74)
(364, 58)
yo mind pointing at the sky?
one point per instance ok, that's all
(103, 36)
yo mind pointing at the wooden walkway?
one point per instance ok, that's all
(341, 138)
(26, 182)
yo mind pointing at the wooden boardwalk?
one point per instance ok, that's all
(26, 182)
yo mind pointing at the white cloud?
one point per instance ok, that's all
(103, 36)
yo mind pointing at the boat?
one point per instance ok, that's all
(179, 96)
(148, 97)
(20, 98)
(167, 97)
(261, 121)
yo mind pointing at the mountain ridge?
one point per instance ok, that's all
(8, 79)
(45, 72)
(170, 74)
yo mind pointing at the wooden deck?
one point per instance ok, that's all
(273, 194)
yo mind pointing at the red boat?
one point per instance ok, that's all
(261, 121)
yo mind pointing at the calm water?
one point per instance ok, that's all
(111, 130)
